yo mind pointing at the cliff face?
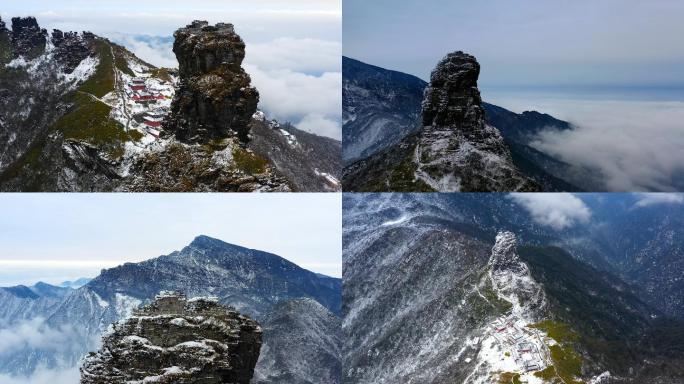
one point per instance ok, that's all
(457, 150)
(180, 341)
(215, 99)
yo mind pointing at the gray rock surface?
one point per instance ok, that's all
(180, 341)
(457, 150)
(215, 99)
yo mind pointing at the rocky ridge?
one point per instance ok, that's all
(457, 150)
(214, 98)
(180, 341)
(475, 295)
(70, 120)
(28, 39)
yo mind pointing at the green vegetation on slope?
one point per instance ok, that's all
(162, 74)
(487, 303)
(392, 169)
(509, 378)
(567, 364)
(558, 331)
(120, 59)
(249, 162)
(89, 121)
(102, 81)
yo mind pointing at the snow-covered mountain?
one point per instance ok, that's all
(379, 108)
(383, 117)
(81, 113)
(466, 288)
(256, 283)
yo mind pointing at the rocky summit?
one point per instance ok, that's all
(180, 341)
(214, 99)
(28, 38)
(457, 150)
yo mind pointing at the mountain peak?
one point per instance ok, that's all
(457, 149)
(204, 241)
(504, 255)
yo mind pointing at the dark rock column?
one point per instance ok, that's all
(215, 99)
(28, 39)
(457, 150)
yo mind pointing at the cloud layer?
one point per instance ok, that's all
(35, 334)
(45, 376)
(556, 210)
(634, 145)
(649, 199)
(299, 80)
(637, 146)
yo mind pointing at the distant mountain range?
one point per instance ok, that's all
(445, 288)
(382, 116)
(298, 309)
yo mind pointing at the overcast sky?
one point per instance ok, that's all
(56, 237)
(293, 46)
(525, 42)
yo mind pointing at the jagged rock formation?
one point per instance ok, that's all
(179, 341)
(28, 39)
(512, 279)
(227, 167)
(70, 49)
(215, 99)
(457, 150)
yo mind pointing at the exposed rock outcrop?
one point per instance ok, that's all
(70, 49)
(504, 256)
(226, 167)
(28, 39)
(512, 279)
(215, 99)
(180, 341)
(457, 150)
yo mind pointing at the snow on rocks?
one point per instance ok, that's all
(174, 340)
(83, 71)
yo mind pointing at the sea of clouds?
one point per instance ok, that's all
(635, 145)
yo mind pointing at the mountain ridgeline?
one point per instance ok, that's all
(389, 118)
(290, 303)
(496, 298)
(81, 113)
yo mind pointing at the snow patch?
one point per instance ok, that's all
(83, 71)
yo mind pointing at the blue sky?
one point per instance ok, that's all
(526, 42)
(56, 237)
(293, 46)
